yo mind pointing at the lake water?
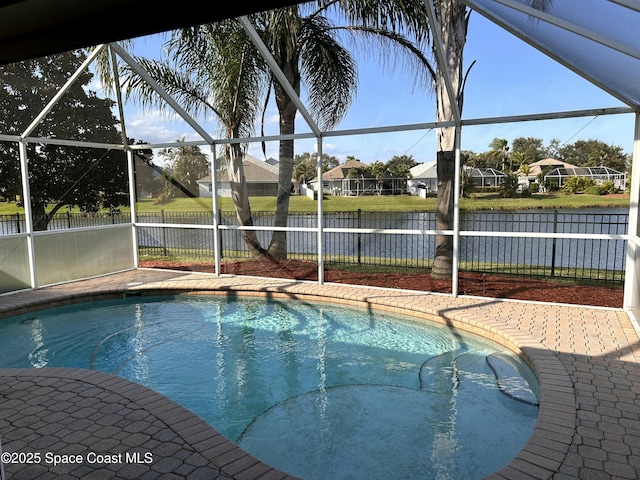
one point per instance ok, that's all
(475, 250)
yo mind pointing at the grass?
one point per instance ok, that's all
(548, 200)
(374, 203)
(297, 203)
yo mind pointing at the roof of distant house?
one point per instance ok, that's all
(255, 171)
(485, 172)
(535, 168)
(425, 170)
(342, 171)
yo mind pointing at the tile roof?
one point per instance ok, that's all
(255, 171)
(341, 171)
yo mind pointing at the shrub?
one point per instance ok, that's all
(526, 193)
(467, 185)
(608, 187)
(576, 184)
(161, 199)
(594, 190)
(509, 186)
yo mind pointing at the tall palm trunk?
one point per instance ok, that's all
(287, 111)
(453, 30)
(40, 217)
(240, 197)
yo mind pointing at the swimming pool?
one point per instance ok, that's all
(317, 390)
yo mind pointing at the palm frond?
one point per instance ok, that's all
(208, 69)
(406, 17)
(329, 70)
(178, 84)
(396, 52)
(283, 28)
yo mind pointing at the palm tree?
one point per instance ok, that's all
(499, 152)
(358, 173)
(306, 49)
(213, 68)
(304, 171)
(305, 46)
(378, 170)
(518, 159)
(452, 20)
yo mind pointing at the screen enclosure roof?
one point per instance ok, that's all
(597, 39)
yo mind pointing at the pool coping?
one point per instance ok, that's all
(550, 449)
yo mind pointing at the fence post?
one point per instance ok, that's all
(18, 223)
(553, 243)
(164, 234)
(68, 219)
(359, 236)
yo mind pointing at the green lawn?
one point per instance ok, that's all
(404, 203)
(549, 200)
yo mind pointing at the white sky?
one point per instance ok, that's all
(509, 78)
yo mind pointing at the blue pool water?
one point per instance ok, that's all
(317, 390)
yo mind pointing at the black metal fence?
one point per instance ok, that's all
(15, 223)
(525, 249)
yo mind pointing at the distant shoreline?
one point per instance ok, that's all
(373, 203)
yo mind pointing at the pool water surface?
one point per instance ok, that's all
(317, 390)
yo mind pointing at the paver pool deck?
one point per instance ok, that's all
(586, 360)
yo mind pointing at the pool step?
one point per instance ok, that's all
(510, 381)
(440, 373)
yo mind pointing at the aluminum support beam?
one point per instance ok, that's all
(116, 82)
(320, 237)
(132, 205)
(28, 212)
(571, 27)
(62, 91)
(161, 91)
(213, 168)
(456, 214)
(632, 282)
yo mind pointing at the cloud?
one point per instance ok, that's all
(158, 127)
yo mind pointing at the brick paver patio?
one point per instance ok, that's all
(586, 360)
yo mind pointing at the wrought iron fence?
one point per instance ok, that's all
(527, 248)
(532, 253)
(15, 223)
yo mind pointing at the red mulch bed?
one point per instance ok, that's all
(468, 283)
